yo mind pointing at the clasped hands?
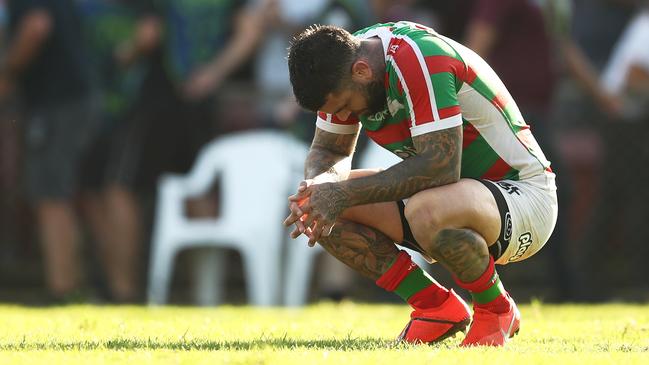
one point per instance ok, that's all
(314, 209)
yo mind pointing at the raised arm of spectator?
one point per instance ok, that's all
(147, 37)
(28, 38)
(584, 73)
(558, 20)
(627, 70)
(246, 36)
(480, 37)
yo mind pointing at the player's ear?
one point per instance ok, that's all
(361, 71)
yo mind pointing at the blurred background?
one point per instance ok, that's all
(100, 99)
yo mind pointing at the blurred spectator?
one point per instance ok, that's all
(627, 71)
(619, 231)
(412, 10)
(44, 59)
(9, 155)
(596, 27)
(451, 17)
(4, 22)
(207, 42)
(118, 35)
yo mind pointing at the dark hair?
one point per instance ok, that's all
(319, 62)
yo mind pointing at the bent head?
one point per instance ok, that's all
(332, 71)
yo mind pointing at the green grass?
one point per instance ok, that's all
(347, 333)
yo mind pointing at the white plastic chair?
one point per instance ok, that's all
(257, 171)
(299, 270)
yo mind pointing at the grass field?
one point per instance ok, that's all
(339, 334)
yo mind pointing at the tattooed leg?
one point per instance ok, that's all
(461, 251)
(437, 312)
(364, 249)
(454, 224)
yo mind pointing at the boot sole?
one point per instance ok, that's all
(457, 327)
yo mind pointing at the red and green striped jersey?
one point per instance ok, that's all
(433, 83)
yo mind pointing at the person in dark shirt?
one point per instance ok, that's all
(206, 43)
(44, 60)
(119, 37)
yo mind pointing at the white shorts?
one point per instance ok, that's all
(528, 211)
(528, 215)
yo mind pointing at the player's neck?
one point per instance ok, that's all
(372, 49)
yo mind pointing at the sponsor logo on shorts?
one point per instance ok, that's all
(507, 234)
(509, 188)
(524, 242)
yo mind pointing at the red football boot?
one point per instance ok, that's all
(436, 324)
(493, 329)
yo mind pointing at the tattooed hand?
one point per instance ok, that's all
(295, 202)
(325, 204)
(329, 160)
(315, 208)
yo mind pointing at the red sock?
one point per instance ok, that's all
(487, 291)
(430, 297)
(410, 282)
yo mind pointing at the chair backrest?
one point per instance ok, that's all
(257, 171)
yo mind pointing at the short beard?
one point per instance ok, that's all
(376, 99)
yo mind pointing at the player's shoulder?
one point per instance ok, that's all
(425, 39)
(373, 30)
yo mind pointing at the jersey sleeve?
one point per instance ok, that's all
(332, 124)
(427, 72)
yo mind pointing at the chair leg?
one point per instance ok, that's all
(208, 271)
(160, 270)
(299, 270)
(262, 270)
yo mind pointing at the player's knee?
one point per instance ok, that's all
(425, 222)
(452, 244)
(442, 242)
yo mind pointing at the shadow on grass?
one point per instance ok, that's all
(343, 344)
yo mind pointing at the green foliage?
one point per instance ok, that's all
(320, 334)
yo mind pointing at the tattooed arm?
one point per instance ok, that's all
(329, 160)
(437, 163)
(330, 157)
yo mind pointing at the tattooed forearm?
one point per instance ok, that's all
(362, 248)
(321, 161)
(330, 154)
(462, 251)
(437, 163)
